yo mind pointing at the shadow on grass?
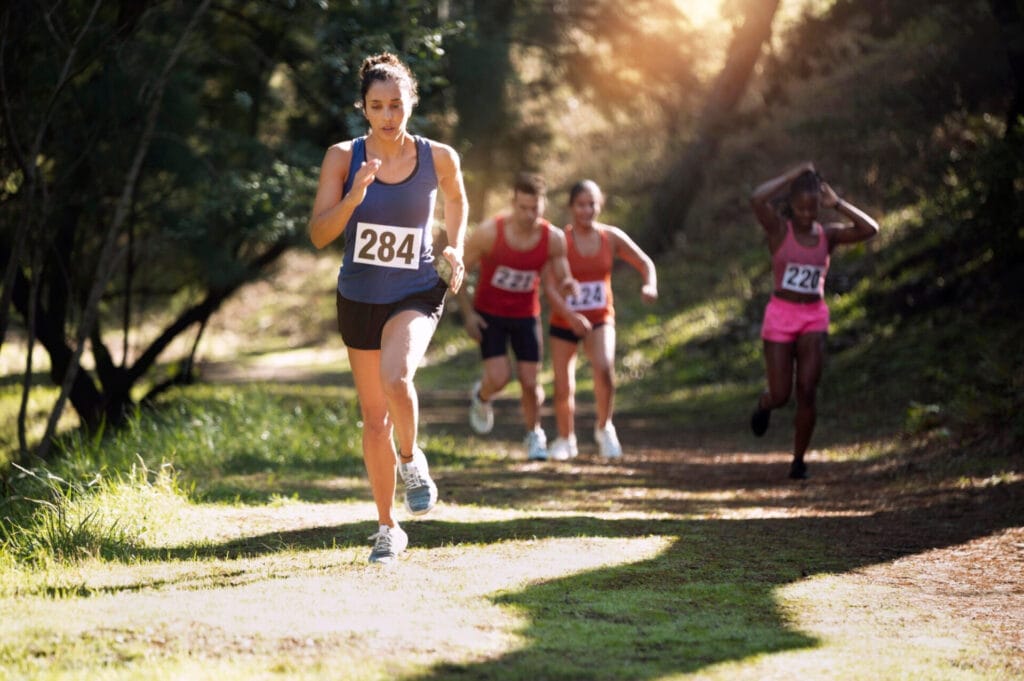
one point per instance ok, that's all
(708, 598)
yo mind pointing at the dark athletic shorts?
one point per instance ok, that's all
(361, 324)
(567, 334)
(522, 332)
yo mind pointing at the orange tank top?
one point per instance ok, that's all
(594, 273)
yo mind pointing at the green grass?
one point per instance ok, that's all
(223, 533)
(488, 593)
(209, 540)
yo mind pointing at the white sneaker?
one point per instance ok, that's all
(536, 445)
(481, 414)
(608, 442)
(420, 490)
(563, 448)
(388, 543)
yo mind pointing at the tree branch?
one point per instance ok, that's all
(201, 311)
(29, 163)
(673, 200)
(104, 267)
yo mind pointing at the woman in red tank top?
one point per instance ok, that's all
(796, 318)
(590, 316)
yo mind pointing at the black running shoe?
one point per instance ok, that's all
(798, 470)
(759, 421)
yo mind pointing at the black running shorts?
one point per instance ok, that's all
(568, 334)
(361, 324)
(522, 332)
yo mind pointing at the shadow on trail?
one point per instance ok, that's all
(718, 421)
(708, 598)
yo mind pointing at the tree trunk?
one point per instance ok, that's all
(26, 387)
(1002, 201)
(85, 396)
(108, 255)
(677, 192)
(1010, 16)
(481, 67)
(200, 312)
(28, 159)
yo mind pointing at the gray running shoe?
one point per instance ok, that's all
(608, 442)
(481, 414)
(420, 490)
(388, 543)
(536, 445)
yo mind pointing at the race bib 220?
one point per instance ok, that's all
(802, 278)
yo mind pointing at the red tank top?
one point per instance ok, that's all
(800, 268)
(509, 278)
(594, 273)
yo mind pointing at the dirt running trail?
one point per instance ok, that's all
(957, 544)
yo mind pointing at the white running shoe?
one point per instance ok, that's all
(481, 414)
(420, 490)
(608, 442)
(536, 445)
(563, 448)
(388, 543)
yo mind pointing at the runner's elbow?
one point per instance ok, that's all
(317, 238)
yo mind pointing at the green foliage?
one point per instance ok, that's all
(896, 109)
(220, 227)
(54, 520)
(257, 94)
(113, 489)
(525, 76)
(922, 418)
(252, 429)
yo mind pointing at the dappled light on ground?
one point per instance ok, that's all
(292, 579)
(730, 573)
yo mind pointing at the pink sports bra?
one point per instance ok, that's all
(799, 268)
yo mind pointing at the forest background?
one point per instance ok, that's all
(159, 156)
(158, 162)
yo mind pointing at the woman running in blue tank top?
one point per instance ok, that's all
(379, 192)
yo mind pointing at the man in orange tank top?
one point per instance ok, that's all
(510, 251)
(796, 318)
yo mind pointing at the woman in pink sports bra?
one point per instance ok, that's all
(796, 317)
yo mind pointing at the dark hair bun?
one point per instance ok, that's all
(386, 66)
(384, 58)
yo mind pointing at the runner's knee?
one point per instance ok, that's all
(376, 426)
(397, 385)
(497, 378)
(605, 374)
(775, 398)
(806, 393)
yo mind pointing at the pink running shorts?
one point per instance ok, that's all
(785, 320)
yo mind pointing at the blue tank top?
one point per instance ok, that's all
(389, 251)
